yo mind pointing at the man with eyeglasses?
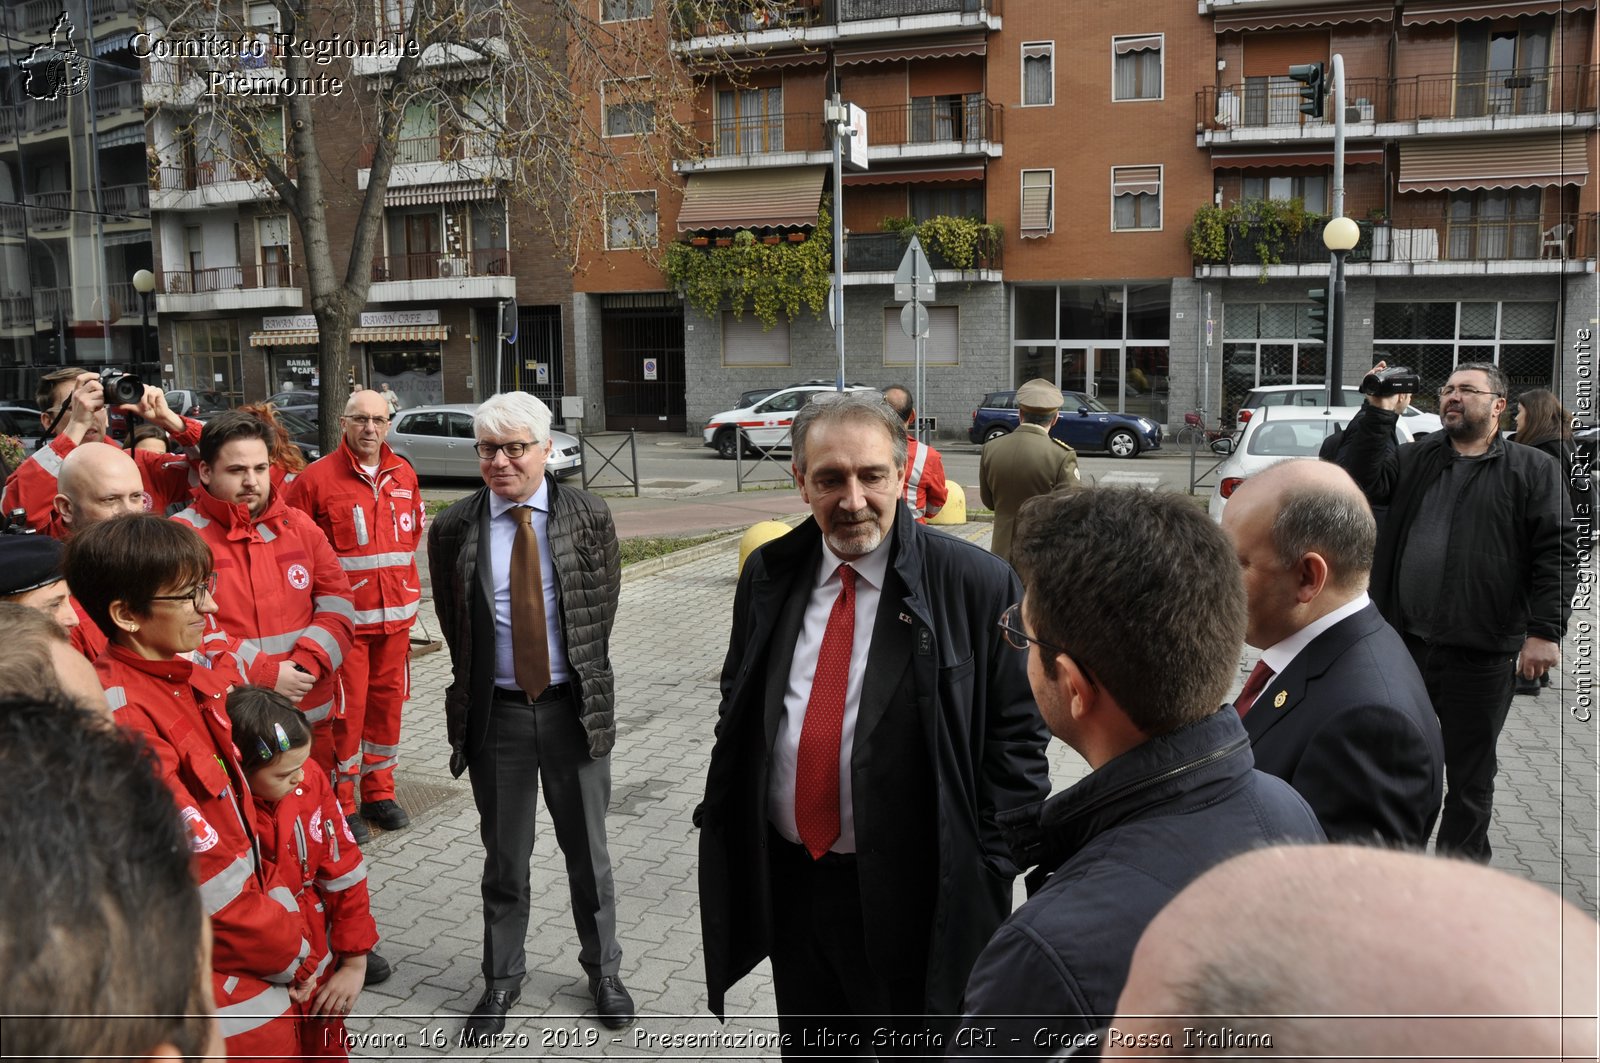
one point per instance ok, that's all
(873, 725)
(1469, 568)
(1113, 581)
(526, 574)
(366, 499)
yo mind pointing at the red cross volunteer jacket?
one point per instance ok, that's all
(280, 592)
(33, 486)
(373, 524)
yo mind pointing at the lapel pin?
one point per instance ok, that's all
(904, 619)
(1283, 696)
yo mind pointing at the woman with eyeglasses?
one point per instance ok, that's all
(147, 583)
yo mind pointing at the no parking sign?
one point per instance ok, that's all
(649, 368)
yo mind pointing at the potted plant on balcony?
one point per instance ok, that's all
(1379, 217)
(769, 279)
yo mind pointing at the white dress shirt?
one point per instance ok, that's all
(870, 573)
(502, 537)
(1280, 655)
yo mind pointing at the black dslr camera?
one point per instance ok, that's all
(121, 386)
(16, 523)
(1396, 380)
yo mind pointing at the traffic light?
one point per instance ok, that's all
(1318, 315)
(1313, 79)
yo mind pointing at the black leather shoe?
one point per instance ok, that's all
(386, 814)
(358, 827)
(612, 1002)
(489, 1017)
(378, 969)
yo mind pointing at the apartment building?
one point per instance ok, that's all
(74, 214)
(451, 255)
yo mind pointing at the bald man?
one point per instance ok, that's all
(1335, 707)
(39, 659)
(1339, 934)
(94, 484)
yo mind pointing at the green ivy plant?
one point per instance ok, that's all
(963, 242)
(770, 280)
(11, 453)
(1208, 234)
(1267, 225)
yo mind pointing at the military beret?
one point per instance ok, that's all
(1039, 394)
(28, 562)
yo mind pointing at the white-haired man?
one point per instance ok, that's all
(526, 576)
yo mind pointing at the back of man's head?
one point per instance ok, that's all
(46, 396)
(1311, 507)
(101, 932)
(1470, 962)
(1142, 590)
(898, 396)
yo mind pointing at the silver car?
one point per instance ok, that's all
(437, 441)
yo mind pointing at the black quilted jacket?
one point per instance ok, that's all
(583, 545)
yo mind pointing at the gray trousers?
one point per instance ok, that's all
(529, 748)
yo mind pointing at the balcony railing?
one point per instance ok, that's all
(13, 221)
(50, 209)
(43, 115)
(882, 252)
(16, 311)
(968, 119)
(1261, 102)
(443, 265)
(37, 15)
(760, 134)
(51, 303)
(126, 199)
(120, 96)
(8, 122)
(210, 172)
(433, 148)
(1425, 236)
(744, 16)
(104, 10)
(229, 278)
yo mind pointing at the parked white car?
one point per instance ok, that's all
(1314, 396)
(437, 441)
(1279, 433)
(766, 424)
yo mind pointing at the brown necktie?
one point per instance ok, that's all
(1257, 681)
(530, 649)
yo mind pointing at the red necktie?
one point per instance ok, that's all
(816, 781)
(1252, 687)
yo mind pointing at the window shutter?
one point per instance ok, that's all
(1036, 202)
(745, 343)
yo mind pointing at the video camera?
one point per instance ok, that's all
(1395, 380)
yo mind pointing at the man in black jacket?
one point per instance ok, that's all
(526, 576)
(873, 724)
(1124, 674)
(1335, 706)
(1469, 569)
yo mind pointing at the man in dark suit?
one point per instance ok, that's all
(1336, 706)
(873, 723)
(526, 577)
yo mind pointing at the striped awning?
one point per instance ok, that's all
(752, 199)
(1267, 159)
(925, 176)
(943, 48)
(401, 334)
(1424, 12)
(768, 61)
(1328, 13)
(1136, 181)
(1496, 161)
(1125, 45)
(455, 192)
(285, 338)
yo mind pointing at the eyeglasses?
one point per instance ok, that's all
(1465, 392)
(1010, 622)
(487, 451)
(360, 419)
(205, 587)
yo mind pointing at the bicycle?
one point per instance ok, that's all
(1195, 432)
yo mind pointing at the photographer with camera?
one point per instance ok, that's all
(1469, 569)
(75, 407)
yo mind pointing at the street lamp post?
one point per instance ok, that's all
(144, 282)
(1340, 236)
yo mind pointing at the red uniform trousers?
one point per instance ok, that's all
(377, 681)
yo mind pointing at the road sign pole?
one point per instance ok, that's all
(838, 124)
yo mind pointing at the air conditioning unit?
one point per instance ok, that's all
(452, 267)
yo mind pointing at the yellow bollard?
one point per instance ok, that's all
(759, 534)
(955, 506)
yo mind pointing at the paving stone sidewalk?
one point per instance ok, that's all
(670, 637)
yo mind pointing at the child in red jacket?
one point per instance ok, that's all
(306, 837)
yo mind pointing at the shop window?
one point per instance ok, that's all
(1039, 74)
(1135, 197)
(943, 346)
(1136, 68)
(745, 342)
